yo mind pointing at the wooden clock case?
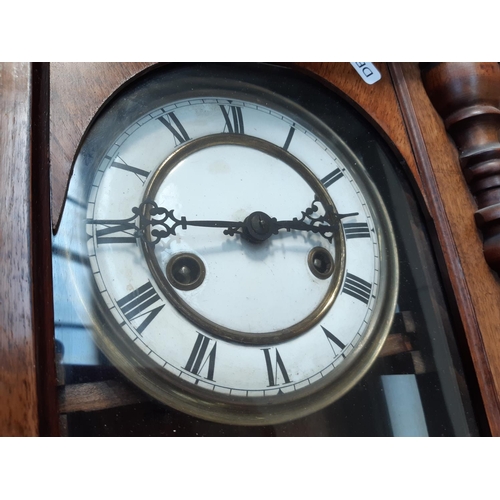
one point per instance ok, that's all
(47, 108)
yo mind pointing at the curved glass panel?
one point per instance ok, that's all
(293, 290)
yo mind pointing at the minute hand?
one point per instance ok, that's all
(256, 228)
(259, 226)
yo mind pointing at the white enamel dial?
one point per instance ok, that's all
(260, 289)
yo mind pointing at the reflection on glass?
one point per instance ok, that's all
(415, 386)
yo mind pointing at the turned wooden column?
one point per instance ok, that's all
(467, 96)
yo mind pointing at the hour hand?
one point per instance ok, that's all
(161, 222)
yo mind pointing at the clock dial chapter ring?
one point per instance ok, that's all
(254, 370)
(318, 195)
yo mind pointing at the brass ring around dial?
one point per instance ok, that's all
(320, 192)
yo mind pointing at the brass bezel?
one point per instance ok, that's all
(184, 396)
(249, 338)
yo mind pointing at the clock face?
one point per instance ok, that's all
(243, 265)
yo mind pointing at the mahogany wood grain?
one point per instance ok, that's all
(95, 396)
(467, 97)
(378, 102)
(437, 174)
(396, 343)
(18, 396)
(77, 92)
(476, 289)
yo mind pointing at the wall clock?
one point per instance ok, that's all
(241, 260)
(182, 277)
(244, 266)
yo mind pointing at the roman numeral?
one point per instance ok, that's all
(199, 358)
(233, 118)
(123, 166)
(289, 138)
(333, 340)
(175, 126)
(357, 288)
(272, 371)
(332, 177)
(356, 230)
(135, 304)
(113, 227)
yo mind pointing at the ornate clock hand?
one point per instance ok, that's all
(256, 228)
(154, 217)
(320, 224)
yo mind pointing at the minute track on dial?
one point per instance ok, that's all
(256, 228)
